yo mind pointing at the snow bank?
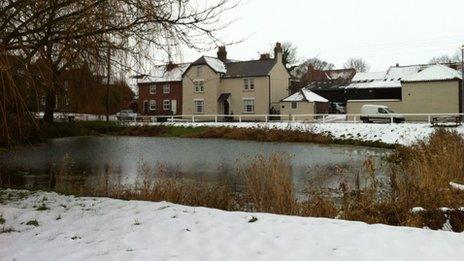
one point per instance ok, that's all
(404, 134)
(106, 229)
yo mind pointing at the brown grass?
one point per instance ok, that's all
(419, 177)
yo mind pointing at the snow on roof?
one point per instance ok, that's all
(397, 73)
(435, 72)
(159, 73)
(369, 76)
(305, 95)
(374, 84)
(216, 64)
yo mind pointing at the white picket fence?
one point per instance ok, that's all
(309, 118)
(316, 118)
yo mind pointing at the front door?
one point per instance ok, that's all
(145, 107)
(174, 107)
(226, 107)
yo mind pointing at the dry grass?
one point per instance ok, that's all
(419, 177)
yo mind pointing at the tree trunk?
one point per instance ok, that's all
(50, 103)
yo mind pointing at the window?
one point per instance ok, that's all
(249, 84)
(167, 105)
(294, 105)
(43, 100)
(166, 88)
(199, 87)
(199, 106)
(152, 89)
(248, 105)
(152, 105)
(199, 71)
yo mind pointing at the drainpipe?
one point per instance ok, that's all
(269, 102)
(462, 81)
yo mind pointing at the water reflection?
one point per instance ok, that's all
(198, 159)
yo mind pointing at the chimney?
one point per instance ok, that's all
(265, 56)
(278, 52)
(222, 53)
(397, 65)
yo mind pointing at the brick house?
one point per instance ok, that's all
(160, 93)
(79, 91)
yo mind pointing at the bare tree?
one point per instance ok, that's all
(63, 33)
(359, 64)
(289, 54)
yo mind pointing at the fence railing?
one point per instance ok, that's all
(309, 118)
(315, 118)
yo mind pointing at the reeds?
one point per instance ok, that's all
(419, 177)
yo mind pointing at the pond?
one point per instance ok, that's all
(197, 159)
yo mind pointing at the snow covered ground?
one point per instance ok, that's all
(405, 134)
(70, 228)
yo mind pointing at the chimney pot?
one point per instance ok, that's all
(265, 56)
(397, 65)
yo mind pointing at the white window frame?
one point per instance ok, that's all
(152, 89)
(249, 84)
(245, 111)
(294, 107)
(199, 86)
(152, 105)
(166, 88)
(166, 105)
(195, 111)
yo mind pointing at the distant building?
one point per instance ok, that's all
(424, 89)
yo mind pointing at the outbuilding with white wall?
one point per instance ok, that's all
(303, 102)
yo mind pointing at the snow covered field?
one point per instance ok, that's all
(405, 134)
(70, 228)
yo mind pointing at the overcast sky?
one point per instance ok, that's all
(383, 32)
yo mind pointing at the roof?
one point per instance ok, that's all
(305, 95)
(374, 84)
(160, 73)
(217, 65)
(368, 76)
(250, 68)
(233, 68)
(435, 72)
(383, 79)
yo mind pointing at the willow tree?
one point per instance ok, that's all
(62, 34)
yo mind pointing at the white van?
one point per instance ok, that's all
(379, 113)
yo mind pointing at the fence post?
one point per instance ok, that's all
(430, 118)
(215, 118)
(240, 118)
(391, 119)
(172, 118)
(293, 118)
(193, 118)
(323, 118)
(354, 119)
(265, 118)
